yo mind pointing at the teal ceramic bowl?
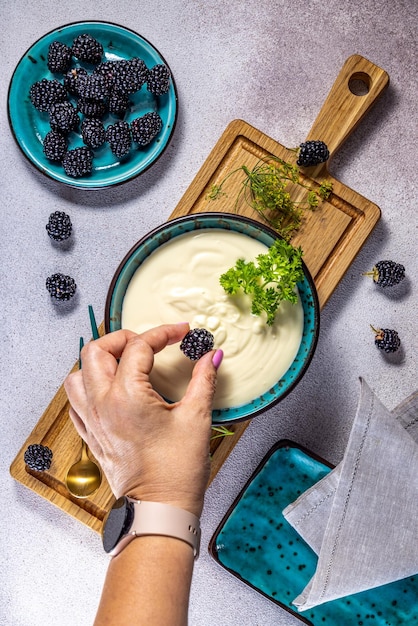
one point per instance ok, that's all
(307, 292)
(29, 126)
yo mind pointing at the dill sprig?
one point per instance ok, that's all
(266, 188)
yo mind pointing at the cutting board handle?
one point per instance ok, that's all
(355, 90)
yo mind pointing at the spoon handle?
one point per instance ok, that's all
(79, 352)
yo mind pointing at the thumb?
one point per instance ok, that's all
(202, 386)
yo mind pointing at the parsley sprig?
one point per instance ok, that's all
(268, 280)
(267, 189)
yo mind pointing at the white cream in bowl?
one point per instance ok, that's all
(179, 282)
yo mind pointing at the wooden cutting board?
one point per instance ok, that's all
(330, 237)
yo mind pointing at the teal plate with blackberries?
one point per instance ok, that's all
(111, 165)
(256, 544)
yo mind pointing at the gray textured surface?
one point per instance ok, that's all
(271, 64)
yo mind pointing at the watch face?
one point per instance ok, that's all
(117, 523)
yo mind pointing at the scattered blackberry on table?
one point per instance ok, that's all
(38, 457)
(59, 226)
(55, 145)
(78, 162)
(93, 132)
(312, 153)
(118, 102)
(63, 117)
(118, 135)
(196, 343)
(386, 339)
(146, 128)
(92, 87)
(46, 92)
(91, 108)
(61, 287)
(59, 57)
(158, 80)
(387, 273)
(87, 48)
(71, 79)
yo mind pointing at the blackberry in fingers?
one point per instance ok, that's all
(386, 339)
(312, 153)
(46, 92)
(196, 343)
(55, 146)
(59, 226)
(78, 162)
(146, 128)
(118, 135)
(63, 117)
(93, 132)
(387, 273)
(87, 48)
(61, 287)
(158, 80)
(59, 57)
(38, 457)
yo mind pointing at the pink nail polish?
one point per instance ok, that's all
(217, 358)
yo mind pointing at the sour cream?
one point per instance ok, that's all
(179, 282)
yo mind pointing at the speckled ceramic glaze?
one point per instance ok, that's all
(29, 126)
(253, 229)
(255, 543)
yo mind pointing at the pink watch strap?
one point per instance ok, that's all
(156, 518)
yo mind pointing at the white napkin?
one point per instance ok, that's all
(361, 518)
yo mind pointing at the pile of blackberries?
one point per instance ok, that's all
(93, 94)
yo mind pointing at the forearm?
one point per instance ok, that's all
(148, 584)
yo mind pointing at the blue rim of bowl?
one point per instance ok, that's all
(307, 291)
(28, 126)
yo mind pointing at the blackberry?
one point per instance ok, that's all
(46, 92)
(59, 226)
(108, 69)
(63, 117)
(87, 48)
(38, 457)
(78, 162)
(146, 128)
(92, 87)
(196, 343)
(71, 79)
(386, 339)
(119, 138)
(158, 80)
(139, 72)
(93, 132)
(55, 146)
(118, 102)
(312, 153)
(59, 57)
(61, 287)
(91, 108)
(387, 273)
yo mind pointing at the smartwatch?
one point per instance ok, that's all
(129, 518)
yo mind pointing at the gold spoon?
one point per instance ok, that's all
(84, 477)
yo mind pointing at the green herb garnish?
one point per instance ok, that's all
(267, 189)
(269, 280)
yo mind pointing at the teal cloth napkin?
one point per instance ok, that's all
(361, 519)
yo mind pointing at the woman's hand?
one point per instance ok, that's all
(147, 448)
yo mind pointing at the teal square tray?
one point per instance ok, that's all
(255, 543)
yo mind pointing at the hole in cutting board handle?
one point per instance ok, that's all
(359, 84)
